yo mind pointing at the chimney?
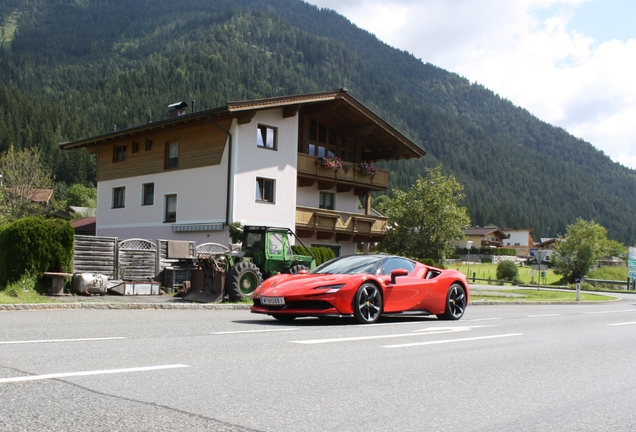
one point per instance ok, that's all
(193, 105)
(177, 109)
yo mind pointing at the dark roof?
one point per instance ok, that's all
(381, 139)
(84, 226)
(484, 231)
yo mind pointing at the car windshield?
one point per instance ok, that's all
(350, 265)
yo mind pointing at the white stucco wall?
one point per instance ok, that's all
(201, 198)
(517, 237)
(250, 162)
(344, 201)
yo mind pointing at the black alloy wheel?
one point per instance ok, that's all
(367, 304)
(456, 301)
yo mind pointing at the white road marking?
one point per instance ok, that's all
(88, 373)
(541, 316)
(452, 340)
(390, 324)
(604, 312)
(625, 323)
(59, 340)
(427, 331)
(254, 331)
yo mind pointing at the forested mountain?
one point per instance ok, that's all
(70, 69)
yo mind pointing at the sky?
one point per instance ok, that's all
(571, 63)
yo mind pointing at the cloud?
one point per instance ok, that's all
(523, 50)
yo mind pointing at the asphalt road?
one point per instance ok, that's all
(522, 368)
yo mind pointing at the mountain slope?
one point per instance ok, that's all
(77, 68)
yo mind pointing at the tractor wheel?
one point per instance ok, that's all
(242, 280)
(297, 268)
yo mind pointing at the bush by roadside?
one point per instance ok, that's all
(32, 245)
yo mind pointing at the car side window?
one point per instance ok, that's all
(397, 263)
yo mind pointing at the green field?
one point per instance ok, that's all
(534, 295)
(489, 271)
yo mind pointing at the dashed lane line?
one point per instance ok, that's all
(452, 340)
(89, 373)
(59, 340)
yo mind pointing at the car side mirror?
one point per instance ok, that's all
(398, 272)
(303, 271)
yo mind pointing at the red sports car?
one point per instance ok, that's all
(364, 287)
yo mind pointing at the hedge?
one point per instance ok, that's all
(322, 254)
(488, 251)
(34, 245)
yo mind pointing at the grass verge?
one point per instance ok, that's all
(22, 291)
(534, 295)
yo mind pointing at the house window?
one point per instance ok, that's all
(323, 140)
(135, 146)
(171, 208)
(148, 144)
(119, 153)
(148, 191)
(266, 137)
(326, 201)
(172, 155)
(265, 190)
(119, 197)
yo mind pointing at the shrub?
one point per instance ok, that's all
(322, 254)
(34, 245)
(431, 262)
(507, 270)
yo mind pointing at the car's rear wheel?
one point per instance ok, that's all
(455, 303)
(367, 304)
(283, 317)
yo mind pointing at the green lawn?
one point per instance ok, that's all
(486, 271)
(534, 295)
(18, 295)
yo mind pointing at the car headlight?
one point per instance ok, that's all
(330, 288)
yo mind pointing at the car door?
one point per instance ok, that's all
(405, 294)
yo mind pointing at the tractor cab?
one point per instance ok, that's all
(270, 250)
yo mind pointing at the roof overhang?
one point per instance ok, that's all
(382, 141)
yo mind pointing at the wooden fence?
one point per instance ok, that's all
(132, 259)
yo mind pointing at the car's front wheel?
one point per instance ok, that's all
(367, 304)
(456, 301)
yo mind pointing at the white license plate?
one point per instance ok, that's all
(273, 301)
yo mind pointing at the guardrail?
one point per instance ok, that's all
(626, 283)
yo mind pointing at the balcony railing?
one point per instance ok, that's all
(310, 167)
(325, 224)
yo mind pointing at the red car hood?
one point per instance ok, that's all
(286, 284)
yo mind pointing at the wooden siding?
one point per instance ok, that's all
(200, 145)
(95, 255)
(342, 222)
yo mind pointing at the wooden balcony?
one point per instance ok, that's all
(345, 179)
(339, 226)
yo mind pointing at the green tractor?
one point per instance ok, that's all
(266, 251)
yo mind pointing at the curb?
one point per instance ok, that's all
(122, 306)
